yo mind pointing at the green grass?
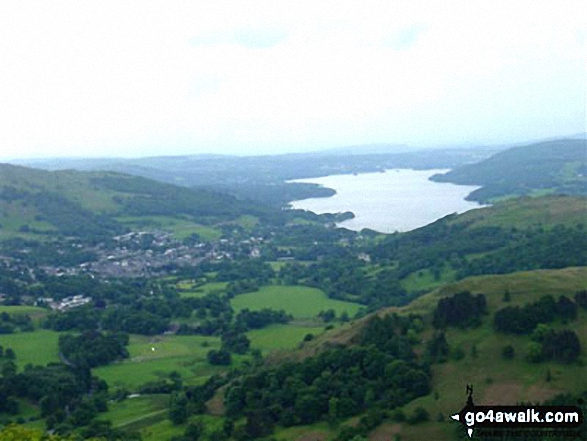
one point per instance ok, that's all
(247, 221)
(34, 312)
(184, 354)
(276, 266)
(524, 287)
(528, 211)
(132, 410)
(203, 290)
(317, 431)
(162, 430)
(181, 228)
(281, 336)
(496, 380)
(13, 217)
(37, 348)
(300, 301)
(424, 280)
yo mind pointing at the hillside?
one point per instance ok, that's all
(558, 166)
(523, 212)
(475, 355)
(263, 178)
(73, 203)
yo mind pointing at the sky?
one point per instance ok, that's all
(147, 78)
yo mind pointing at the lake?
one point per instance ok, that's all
(397, 200)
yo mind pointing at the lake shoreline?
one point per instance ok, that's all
(394, 200)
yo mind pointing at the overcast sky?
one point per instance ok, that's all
(144, 78)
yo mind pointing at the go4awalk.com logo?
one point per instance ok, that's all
(511, 418)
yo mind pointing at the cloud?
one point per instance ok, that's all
(250, 38)
(144, 78)
(403, 39)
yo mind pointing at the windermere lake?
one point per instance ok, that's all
(397, 200)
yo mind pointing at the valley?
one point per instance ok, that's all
(214, 314)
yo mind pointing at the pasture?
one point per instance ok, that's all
(281, 336)
(153, 358)
(181, 228)
(132, 411)
(188, 290)
(37, 348)
(300, 301)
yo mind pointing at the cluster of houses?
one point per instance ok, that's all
(143, 254)
(63, 304)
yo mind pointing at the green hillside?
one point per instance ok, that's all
(475, 356)
(558, 166)
(87, 204)
(524, 212)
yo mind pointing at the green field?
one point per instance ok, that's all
(37, 348)
(184, 354)
(281, 336)
(161, 430)
(247, 221)
(300, 301)
(148, 415)
(181, 228)
(186, 290)
(423, 280)
(133, 411)
(34, 312)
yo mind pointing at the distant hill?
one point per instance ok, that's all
(263, 178)
(556, 166)
(87, 204)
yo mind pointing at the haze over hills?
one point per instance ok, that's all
(263, 178)
(555, 166)
(90, 203)
(257, 282)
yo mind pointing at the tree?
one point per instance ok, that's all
(508, 352)
(437, 348)
(221, 357)
(178, 412)
(566, 309)
(194, 431)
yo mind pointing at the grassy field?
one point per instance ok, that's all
(424, 280)
(148, 415)
(187, 290)
(527, 211)
(161, 430)
(300, 301)
(181, 228)
(135, 409)
(247, 221)
(281, 336)
(153, 358)
(37, 348)
(35, 313)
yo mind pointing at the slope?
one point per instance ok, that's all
(476, 356)
(558, 166)
(85, 204)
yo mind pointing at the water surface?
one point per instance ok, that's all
(397, 200)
